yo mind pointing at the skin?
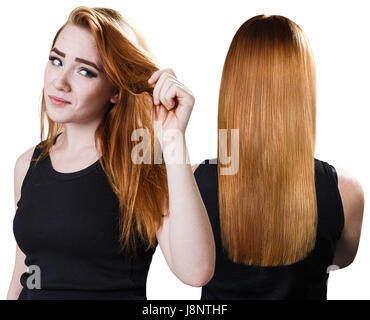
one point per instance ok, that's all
(186, 237)
(353, 202)
(189, 247)
(89, 97)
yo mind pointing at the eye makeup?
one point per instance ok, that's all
(88, 74)
(84, 61)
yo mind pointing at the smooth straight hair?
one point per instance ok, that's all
(268, 210)
(141, 189)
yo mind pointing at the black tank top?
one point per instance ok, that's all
(306, 279)
(66, 225)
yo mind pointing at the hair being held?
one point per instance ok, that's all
(141, 188)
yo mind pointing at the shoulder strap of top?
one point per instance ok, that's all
(330, 172)
(35, 155)
(334, 173)
(31, 168)
(37, 151)
(38, 147)
(333, 183)
(206, 173)
(33, 163)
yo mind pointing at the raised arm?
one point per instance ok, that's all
(186, 237)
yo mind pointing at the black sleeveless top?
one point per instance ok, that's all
(306, 279)
(66, 225)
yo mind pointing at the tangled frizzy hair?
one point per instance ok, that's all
(141, 189)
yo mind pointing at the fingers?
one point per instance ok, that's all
(155, 76)
(164, 80)
(166, 96)
(158, 87)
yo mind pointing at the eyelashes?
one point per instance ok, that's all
(88, 74)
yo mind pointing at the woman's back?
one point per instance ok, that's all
(306, 279)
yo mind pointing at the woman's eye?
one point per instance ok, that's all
(52, 59)
(88, 73)
(85, 72)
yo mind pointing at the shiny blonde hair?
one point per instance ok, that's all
(141, 189)
(268, 210)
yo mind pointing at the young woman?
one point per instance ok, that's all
(89, 213)
(281, 218)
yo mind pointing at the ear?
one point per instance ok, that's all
(114, 98)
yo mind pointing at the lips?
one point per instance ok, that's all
(58, 101)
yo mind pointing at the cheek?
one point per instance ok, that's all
(92, 94)
(50, 76)
(48, 79)
(47, 75)
(95, 92)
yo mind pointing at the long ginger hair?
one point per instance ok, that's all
(141, 189)
(268, 210)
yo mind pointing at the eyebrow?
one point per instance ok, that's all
(77, 59)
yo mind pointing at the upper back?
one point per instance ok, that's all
(304, 279)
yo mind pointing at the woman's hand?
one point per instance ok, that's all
(174, 102)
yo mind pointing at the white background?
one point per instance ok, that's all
(193, 37)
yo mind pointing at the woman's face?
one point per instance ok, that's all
(75, 74)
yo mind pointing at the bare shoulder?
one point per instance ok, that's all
(352, 196)
(20, 170)
(23, 161)
(194, 167)
(351, 192)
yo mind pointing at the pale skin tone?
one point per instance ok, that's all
(185, 237)
(75, 150)
(353, 202)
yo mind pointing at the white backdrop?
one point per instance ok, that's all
(193, 37)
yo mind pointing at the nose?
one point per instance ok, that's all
(61, 81)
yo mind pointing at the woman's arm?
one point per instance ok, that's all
(353, 206)
(185, 237)
(20, 170)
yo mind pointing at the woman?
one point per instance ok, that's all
(89, 212)
(281, 218)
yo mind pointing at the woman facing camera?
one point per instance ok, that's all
(89, 211)
(281, 218)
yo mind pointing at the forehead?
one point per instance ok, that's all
(77, 41)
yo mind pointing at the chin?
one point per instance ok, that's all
(56, 116)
